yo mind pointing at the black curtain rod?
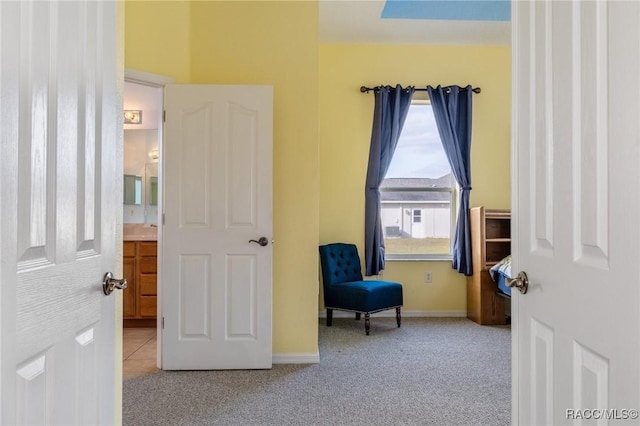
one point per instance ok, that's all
(364, 89)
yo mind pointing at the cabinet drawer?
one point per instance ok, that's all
(148, 265)
(148, 248)
(129, 249)
(148, 306)
(148, 285)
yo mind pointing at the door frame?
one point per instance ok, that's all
(156, 81)
(515, 180)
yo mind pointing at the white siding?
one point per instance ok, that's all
(398, 220)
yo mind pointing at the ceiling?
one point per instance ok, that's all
(415, 21)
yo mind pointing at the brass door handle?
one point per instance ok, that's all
(521, 282)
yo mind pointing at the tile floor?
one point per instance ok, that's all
(138, 352)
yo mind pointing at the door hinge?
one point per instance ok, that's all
(164, 115)
(162, 219)
(163, 322)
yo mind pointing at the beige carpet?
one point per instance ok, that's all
(432, 371)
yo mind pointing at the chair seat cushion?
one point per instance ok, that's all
(364, 296)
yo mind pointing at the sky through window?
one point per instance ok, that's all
(419, 153)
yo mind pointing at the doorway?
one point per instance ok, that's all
(143, 106)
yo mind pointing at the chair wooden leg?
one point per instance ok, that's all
(329, 317)
(367, 322)
(357, 316)
(398, 317)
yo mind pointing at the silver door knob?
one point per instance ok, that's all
(521, 282)
(109, 283)
(262, 241)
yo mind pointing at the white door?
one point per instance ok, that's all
(576, 205)
(60, 193)
(216, 285)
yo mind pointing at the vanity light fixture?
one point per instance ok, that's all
(132, 116)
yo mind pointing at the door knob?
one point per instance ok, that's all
(109, 283)
(262, 241)
(521, 282)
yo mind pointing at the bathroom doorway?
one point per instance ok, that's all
(142, 211)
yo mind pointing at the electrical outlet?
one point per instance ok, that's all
(427, 277)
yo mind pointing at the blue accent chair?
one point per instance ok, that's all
(345, 290)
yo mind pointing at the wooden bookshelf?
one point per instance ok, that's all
(490, 243)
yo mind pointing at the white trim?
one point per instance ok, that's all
(146, 78)
(517, 11)
(301, 358)
(157, 81)
(391, 313)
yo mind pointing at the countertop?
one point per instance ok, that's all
(139, 232)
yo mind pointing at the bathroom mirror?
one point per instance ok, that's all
(141, 176)
(132, 190)
(151, 175)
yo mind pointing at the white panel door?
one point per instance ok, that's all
(216, 284)
(576, 205)
(60, 195)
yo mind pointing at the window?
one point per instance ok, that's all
(417, 216)
(418, 193)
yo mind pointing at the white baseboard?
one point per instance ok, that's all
(391, 313)
(308, 358)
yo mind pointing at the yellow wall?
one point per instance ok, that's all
(157, 37)
(345, 132)
(276, 43)
(263, 42)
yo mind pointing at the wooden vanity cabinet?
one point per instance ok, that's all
(140, 298)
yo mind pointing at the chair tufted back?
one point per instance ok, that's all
(340, 263)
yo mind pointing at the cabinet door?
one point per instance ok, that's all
(148, 285)
(148, 306)
(129, 293)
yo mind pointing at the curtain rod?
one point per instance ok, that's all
(364, 89)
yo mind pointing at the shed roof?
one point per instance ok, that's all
(445, 181)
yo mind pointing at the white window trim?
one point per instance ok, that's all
(417, 216)
(422, 98)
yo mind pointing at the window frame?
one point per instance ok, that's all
(417, 216)
(453, 194)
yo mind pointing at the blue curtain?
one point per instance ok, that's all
(391, 108)
(452, 110)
